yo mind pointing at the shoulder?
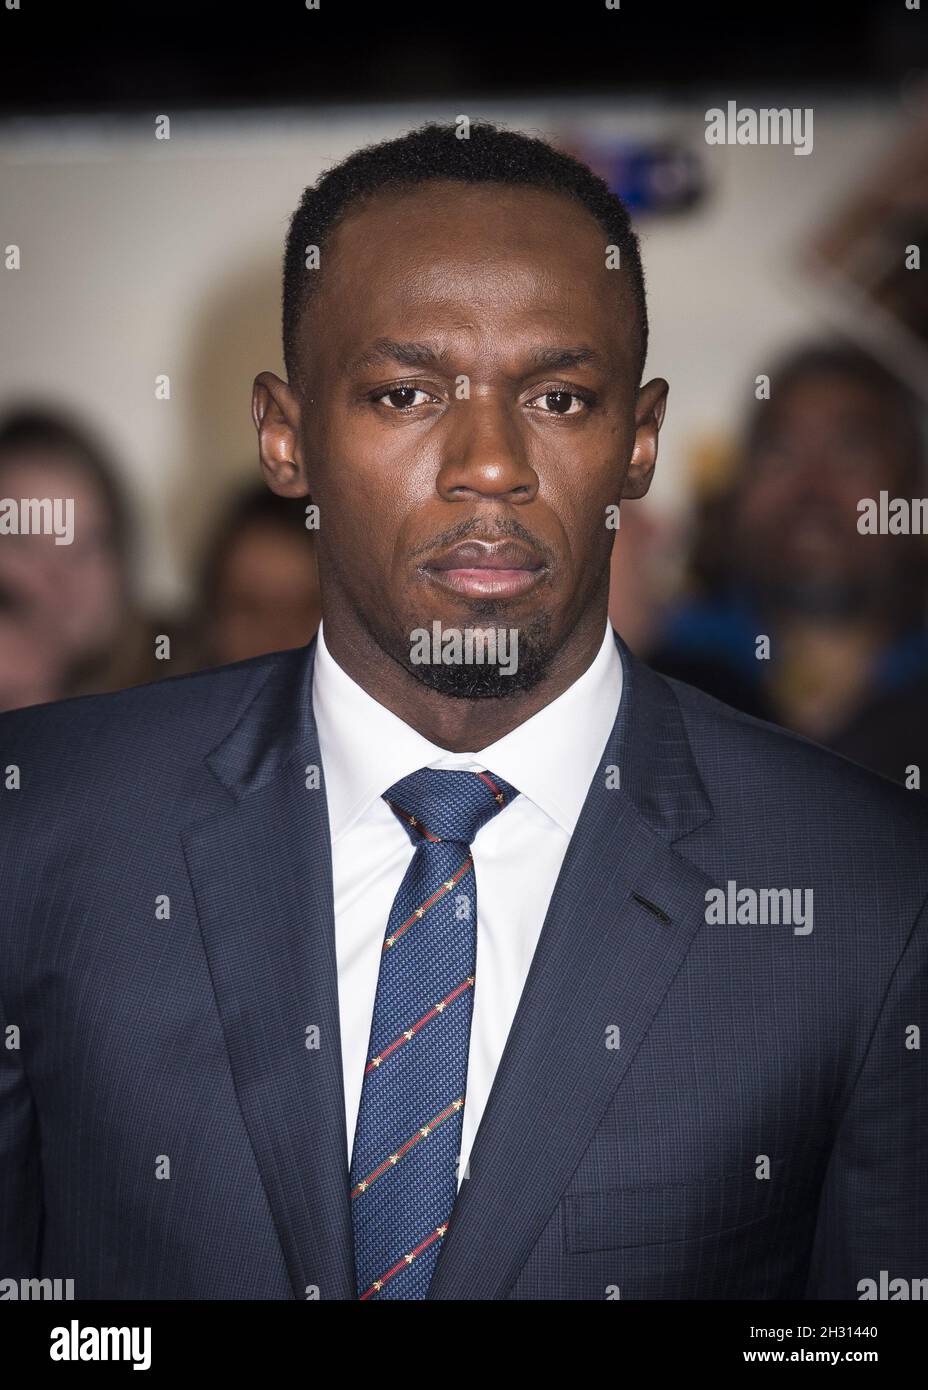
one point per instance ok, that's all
(767, 774)
(166, 724)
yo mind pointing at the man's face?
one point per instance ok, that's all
(470, 376)
(73, 594)
(829, 442)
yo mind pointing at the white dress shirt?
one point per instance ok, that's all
(551, 757)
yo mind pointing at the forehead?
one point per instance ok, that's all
(471, 259)
(51, 470)
(830, 398)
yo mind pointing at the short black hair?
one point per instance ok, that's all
(434, 151)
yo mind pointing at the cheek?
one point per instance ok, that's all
(350, 464)
(767, 499)
(367, 479)
(357, 536)
(578, 492)
(99, 586)
(851, 488)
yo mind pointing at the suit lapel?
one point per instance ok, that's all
(261, 875)
(262, 881)
(603, 960)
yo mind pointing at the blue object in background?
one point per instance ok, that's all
(650, 177)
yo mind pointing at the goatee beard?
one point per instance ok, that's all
(487, 680)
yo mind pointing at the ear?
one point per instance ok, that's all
(649, 416)
(276, 413)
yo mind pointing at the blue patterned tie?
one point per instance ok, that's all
(404, 1163)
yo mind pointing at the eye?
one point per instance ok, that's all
(560, 402)
(404, 397)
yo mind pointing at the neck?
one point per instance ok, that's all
(459, 725)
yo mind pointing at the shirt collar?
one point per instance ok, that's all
(551, 757)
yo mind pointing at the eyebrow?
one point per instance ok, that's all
(384, 350)
(558, 359)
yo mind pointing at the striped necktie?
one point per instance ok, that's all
(404, 1162)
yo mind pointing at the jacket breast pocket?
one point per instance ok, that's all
(665, 1213)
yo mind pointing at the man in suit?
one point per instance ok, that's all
(371, 970)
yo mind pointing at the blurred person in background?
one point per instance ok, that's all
(781, 555)
(70, 623)
(260, 584)
(641, 574)
(29, 673)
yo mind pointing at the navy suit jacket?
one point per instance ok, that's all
(683, 1109)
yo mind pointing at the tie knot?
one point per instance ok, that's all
(436, 804)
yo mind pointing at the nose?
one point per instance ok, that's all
(485, 453)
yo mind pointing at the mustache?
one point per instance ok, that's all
(478, 528)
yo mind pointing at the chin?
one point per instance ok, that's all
(481, 653)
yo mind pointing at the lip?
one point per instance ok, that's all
(484, 569)
(486, 583)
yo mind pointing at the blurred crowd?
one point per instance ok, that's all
(789, 609)
(71, 619)
(780, 606)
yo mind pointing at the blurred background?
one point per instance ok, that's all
(141, 292)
